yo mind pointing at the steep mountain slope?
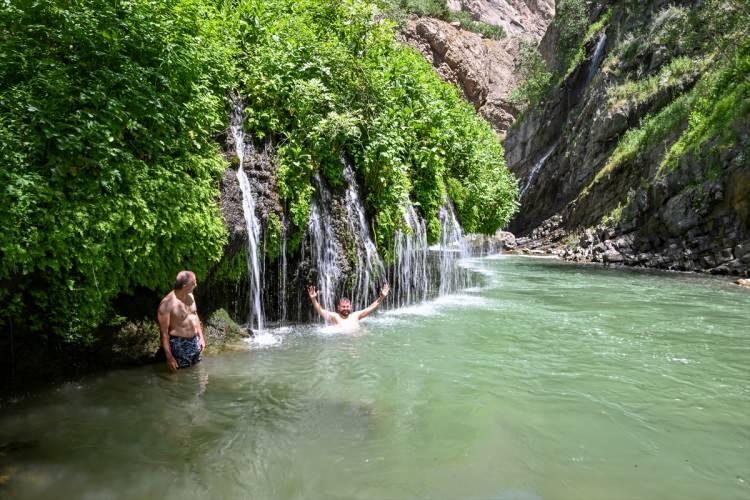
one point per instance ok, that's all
(481, 67)
(638, 154)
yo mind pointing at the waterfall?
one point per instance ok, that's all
(369, 271)
(421, 271)
(596, 60)
(251, 221)
(323, 246)
(453, 246)
(410, 277)
(369, 264)
(282, 280)
(535, 171)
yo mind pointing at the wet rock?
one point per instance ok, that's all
(613, 257)
(135, 342)
(222, 333)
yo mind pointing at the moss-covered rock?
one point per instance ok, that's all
(136, 342)
(222, 333)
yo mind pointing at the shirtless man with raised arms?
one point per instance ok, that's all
(181, 330)
(344, 317)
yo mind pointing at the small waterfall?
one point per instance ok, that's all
(410, 276)
(368, 272)
(282, 280)
(323, 246)
(421, 271)
(537, 168)
(251, 221)
(453, 246)
(369, 264)
(596, 60)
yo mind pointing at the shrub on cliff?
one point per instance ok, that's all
(330, 80)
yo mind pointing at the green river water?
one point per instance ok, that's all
(550, 381)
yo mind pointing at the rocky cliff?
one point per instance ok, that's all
(638, 152)
(482, 68)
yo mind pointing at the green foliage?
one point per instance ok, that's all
(330, 82)
(677, 72)
(273, 233)
(720, 100)
(532, 72)
(109, 169)
(571, 22)
(716, 47)
(108, 113)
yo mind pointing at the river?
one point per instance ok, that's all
(549, 381)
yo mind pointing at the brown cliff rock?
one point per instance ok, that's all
(481, 68)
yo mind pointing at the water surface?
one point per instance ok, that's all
(551, 381)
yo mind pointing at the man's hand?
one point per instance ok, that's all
(312, 292)
(201, 342)
(384, 291)
(171, 362)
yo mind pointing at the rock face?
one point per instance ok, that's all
(481, 68)
(516, 17)
(579, 202)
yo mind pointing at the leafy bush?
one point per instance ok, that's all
(531, 69)
(108, 113)
(330, 81)
(110, 172)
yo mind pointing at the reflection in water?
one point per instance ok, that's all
(552, 381)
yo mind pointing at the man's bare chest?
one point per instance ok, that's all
(181, 310)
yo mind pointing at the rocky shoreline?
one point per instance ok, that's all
(602, 245)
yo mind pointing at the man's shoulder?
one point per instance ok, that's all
(166, 302)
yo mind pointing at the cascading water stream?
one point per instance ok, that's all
(369, 270)
(369, 264)
(410, 276)
(251, 221)
(596, 60)
(323, 247)
(452, 248)
(537, 168)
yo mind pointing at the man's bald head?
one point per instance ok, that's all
(183, 279)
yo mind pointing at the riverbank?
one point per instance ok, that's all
(135, 342)
(602, 245)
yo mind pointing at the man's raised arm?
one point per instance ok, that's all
(314, 298)
(164, 316)
(383, 294)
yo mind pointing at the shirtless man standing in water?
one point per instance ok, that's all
(181, 330)
(344, 318)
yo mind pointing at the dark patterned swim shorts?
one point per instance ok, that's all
(186, 352)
